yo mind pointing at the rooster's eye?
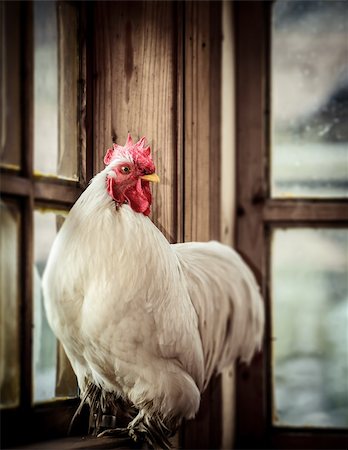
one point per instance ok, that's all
(125, 169)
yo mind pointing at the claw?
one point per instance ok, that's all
(117, 432)
(147, 429)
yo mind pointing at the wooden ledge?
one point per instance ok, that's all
(80, 442)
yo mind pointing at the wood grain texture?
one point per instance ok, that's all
(202, 120)
(27, 204)
(251, 189)
(197, 132)
(157, 72)
(86, 26)
(68, 59)
(44, 190)
(81, 443)
(202, 172)
(317, 212)
(136, 91)
(61, 193)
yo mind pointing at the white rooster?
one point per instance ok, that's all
(144, 323)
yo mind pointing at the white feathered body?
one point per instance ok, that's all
(149, 321)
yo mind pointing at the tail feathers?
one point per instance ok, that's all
(227, 301)
(245, 335)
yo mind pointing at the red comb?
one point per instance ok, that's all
(138, 150)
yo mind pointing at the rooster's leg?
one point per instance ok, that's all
(150, 429)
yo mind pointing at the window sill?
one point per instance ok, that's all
(72, 443)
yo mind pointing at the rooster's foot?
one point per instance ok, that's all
(146, 429)
(114, 432)
(122, 438)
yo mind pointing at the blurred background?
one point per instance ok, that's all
(309, 159)
(246, 108)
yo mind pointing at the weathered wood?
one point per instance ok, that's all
(26, 314)
(83, 443)
(135, 91)
(27, 90)
(138, 89)
(202, 119)
(49, 190)
(26, 240)
(288, 211)
(215, 118)
(318, 439)
(42, 422)
(14, 184)
(197, 123)
(58, 192)
(251, 189)
(147, 78)
(68, 164)
(227, 196)
(202, 172)
(86, 92)
(178, 51)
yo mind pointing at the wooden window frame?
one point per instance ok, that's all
(191, 220)
(33, 422)
(257, 215)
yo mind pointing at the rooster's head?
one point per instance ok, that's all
(129, 171)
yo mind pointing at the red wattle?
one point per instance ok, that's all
(111, 188)
(138, 197)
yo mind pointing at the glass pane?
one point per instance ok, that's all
(53, 376)
(9, 85)
(309, 99)
(9, 310)
(68, 158)
(310, 327)
(55, 90)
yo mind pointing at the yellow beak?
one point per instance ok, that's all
(152, 177)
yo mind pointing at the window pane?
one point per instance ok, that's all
(310, 326)
(9, 310)
(309, 99)
(55, 90)
(68, 159)
(9, 84)
(53, 376)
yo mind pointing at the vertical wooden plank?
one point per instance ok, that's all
(27, 94)
(136, 91)
(202, 172)
(197, 107)
(86, 46)
(68, 57)
(227, 197)
(85, 92)
(215, 118)
(251, 107)
(82, 115)
(202, 119)
(178, 50)
(27, 205)
(139, 70)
